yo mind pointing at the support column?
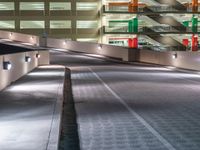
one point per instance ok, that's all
(194, 24)
(17, 18)
(130, 42)
(47, 29)
(133, 43)
(130, 26)
(135, 25)
(194, 43)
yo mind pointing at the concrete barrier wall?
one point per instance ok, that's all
(92, 48)
(186, 60)
(19, 66)
(24, 38)
(44, 58)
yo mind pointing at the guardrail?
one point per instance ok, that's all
(24, 38)
(151, 29)
(185, 60)
(118, 52)
(148, 9)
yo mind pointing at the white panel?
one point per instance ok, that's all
(32, 24)
(31, 5)
(7, 6)
(87, 24)
(7, 24)
(60, 6)
(60, 24)
(86, 6)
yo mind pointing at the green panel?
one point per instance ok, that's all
(186, 23)
(135, 25)
(130, 26)
(194, 24)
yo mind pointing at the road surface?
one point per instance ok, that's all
(133, 107)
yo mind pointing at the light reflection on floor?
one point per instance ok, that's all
(27, 110)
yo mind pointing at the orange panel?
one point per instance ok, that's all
(194, 3)
(123, 4)
(118, 4)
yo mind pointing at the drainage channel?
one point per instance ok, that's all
(69, 139)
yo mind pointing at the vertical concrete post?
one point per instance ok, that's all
(17, 13)
(47, 30)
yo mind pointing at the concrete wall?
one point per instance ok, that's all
(186, 60)
(19, 66)
(92, 48)
(25, 38)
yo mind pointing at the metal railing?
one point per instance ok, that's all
(152, 29)
(164, 48)
(147, 9)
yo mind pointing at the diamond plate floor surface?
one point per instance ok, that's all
(133, 107)
(29, 110)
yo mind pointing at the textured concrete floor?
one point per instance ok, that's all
(133, 107)
(30, 111)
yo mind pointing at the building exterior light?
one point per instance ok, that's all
(38, 55)
(7, 65)
(99, 47)
(174, 56)
(65, 42)
(11, 34)
(27, 59)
